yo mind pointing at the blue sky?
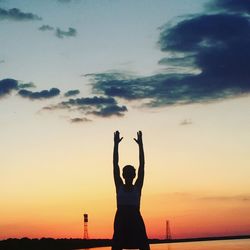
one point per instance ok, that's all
(169, 46)
(111, 35)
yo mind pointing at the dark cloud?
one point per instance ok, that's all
(17, 15)
(44, 94)
(72, 92)
(80, 120)
(121, 85)
(7, 85)
(160, 89)
(70, 33)
(97, 101)
(46, 27)
(26, 85)
(110, 110)
(230, 5)
(210, 56)
(97, 105)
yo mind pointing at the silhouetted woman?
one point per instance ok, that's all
(129, 228)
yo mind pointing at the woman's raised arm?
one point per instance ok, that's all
(140, 178)
(116, 168)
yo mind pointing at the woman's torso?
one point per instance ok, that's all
(128, 197)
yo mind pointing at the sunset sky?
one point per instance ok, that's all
(74, 71)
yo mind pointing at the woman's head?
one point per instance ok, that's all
(128, 173)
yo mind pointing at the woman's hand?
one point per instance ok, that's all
(139, 138)
(117, 138)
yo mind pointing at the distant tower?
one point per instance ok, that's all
(86, 219)
(168, 232)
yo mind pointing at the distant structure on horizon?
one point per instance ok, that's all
(86, 220)
(168, 232)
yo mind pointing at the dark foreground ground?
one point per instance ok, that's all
(68, 244)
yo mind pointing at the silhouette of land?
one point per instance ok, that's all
(67, 244)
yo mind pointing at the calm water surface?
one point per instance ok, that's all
(205, 245)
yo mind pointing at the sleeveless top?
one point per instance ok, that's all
(128, 198)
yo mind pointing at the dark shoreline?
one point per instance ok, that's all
(68, 244)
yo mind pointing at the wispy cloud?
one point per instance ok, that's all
(186, 122)
(45, 27)
(26, 85)
(71, 32)
(17, 15)
(58, 32)
(205, 197)
(210, 54)
(243, 198)
(67, 1)
(80, 120)
(72, 92)
(64, 1)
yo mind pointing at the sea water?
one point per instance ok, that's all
(205, 245)
(202, 245)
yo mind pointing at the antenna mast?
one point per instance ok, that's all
(168, 232)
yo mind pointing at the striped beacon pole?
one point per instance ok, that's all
(86, 219)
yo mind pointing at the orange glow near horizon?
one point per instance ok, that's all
(187, 219)
(48, 187)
